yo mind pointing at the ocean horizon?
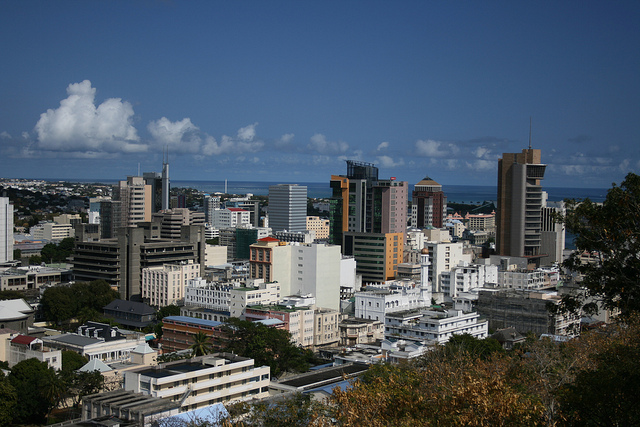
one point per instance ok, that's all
(469, 194)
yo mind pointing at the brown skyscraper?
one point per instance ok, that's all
(518, 219)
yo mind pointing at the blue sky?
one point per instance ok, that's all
(287, 90)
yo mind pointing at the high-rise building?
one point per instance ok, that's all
(211, 203)
(519, 218)
(553, 232)
(6, 230)
(363, 203)
(135, 199)
(429, 206)
(288, 207)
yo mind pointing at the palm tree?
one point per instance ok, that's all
(201, 344)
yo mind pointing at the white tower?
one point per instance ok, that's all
(165, 181)
(6, 230)
(424, 276)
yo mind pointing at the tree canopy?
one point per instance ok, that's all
(267, 346)
(610, 233)
(85, 300)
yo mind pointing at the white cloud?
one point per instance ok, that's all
(320, 144)
(243, 143)
(78, 125)
(181, 136)
(5, 135)
(247, 133)
(481, 165)
(382, 146)
(388, 162)
(431, 148)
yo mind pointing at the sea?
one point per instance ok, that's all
(467, 194)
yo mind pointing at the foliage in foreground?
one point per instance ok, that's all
(592, 380)
(611, 233)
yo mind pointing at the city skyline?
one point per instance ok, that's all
(284, 91)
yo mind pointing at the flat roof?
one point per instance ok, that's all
(193, 320)
(336, 373)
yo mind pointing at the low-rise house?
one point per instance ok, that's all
(130, 313)
(434, 325)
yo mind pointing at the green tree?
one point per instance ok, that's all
(201, 344)
(611, 233)
(27, 378)
(35, 260)
(8, 401)
(482, 348)
(168, 310)
(296, 410)
(10, 294)
(267, 346)
(72, 361)
(17, 254)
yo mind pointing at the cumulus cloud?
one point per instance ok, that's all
(78, 125)
(431, 148)
(382, 146)
(181, 136)
(481, 165)
(243, 143)
(388, 162)
(320, 144)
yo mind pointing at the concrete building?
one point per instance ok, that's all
(481, 222)
(377, 255)
(464, 277)
(130, 313)
(6, 230)
(435, 325)
(172, 220)
(215, 255)
(120, 261)
(360, 331)
(117, 350)
(32, 277)
(178, 332)
(320, 226)
(442, 257)
(518, 220)
(16, 314)
(251, 206)
(526, 311)
(135, 197)
(165, 285)
(230, 218)
(15, 348)
(287, 207)
(52, 231)
(553, 232)
(211, 203)
(429, 206)
(302, 269)
(299, 321)
(202, 381)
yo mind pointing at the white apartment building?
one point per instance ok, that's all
(202, 381)
(215, 255)
(465, 277)
(303, 269)
(443, 256)
(6, 230)
(376, 304)
(225, 297)
(230, 218)
(165, 285)
(14, 348)
(319, 225)
(325, 329)
(522, 279)
(52, 231)
(435, 325)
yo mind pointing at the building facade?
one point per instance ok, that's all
(165, 285)
(6, 230)
(518, 220)
(288, 207)
(429, 206)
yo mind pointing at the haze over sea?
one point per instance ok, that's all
(471, 194)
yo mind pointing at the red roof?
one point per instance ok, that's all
(268, 239)
(236, 210)
(23, 339)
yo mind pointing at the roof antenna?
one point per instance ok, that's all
(529, 132)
